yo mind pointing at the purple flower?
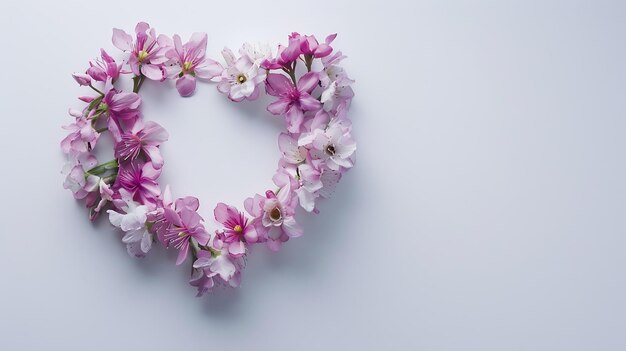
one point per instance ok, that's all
(238, 231)
(185, 224)
(102, 70)
(292, 101)
(140, 180)
(187, 62)
(145, 55)
(143, 137)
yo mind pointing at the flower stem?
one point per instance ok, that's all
(308, 62)
(101, 168)
(96, 89)
(137, 82)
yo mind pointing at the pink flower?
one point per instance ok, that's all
(75, 176)
(99, 194)
(140, 180)
(217, 263)
(238, 231)
(157, 216)
(200, 278)
(286, 55)
(310, 46)
(145, 55)
(102, 70)
(82, 79)
(121, 105)
(292, 101)
(185, 225)
(241, 78)
(333, 145)
(187, 62)
(292, 153)
(143, 137)
(82, 137)
(274, 216)
(337, 93)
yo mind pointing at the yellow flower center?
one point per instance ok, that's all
(238, 229)
(142, 55)
(187, 66)
(241, 79)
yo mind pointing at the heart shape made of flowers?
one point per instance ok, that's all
(313, 94)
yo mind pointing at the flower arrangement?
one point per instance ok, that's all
(312, 94)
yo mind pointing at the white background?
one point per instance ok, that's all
(487, 209)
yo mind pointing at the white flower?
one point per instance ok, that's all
(315, 183)
(132, 221)
(241, 77)
(337, 87)
(257, 53)
(217, 265)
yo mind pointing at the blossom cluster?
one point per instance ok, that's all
(312, 94)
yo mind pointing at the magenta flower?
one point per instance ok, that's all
(286, 55)
(187, 62)
(102, 70)
(292, 101)
(238, 231)
(140, 180)
(145, 55)
(185, 225)
(121, 105)
(143, 137)
(310, 46)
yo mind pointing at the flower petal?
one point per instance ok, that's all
(186, 85)
(291, 228)
(308, 82)
(122, 40)
(279, 107)
(152, 72)
(278, 84)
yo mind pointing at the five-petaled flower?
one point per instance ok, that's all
(292, 101)
(188, 62)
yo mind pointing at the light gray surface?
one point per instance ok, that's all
(486, 210)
